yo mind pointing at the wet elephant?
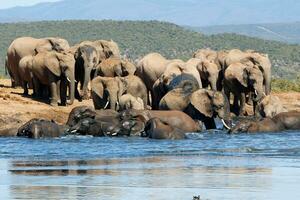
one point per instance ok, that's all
(156, 128)
(40, 128)
(202, 104)
(280, 122)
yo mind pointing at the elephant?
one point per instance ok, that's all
(86, 60)
(150, 68)
(112, 67)
(269, 106)
(280, 122)
(240, 79)
(127, 101)
(29, 46)
(88, 55)
(257, 59)
(107, 91)
(182, 80)
(202, 104)
(174, 118)
(84, 120)
(40, 128)
(210, 75)
(205, 55)
(25, 66)
(156, 128)
(55, 70)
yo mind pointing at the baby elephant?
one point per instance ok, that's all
(127, 101)
(158, 129)
(269, 106)
(280, 122)
(40, 128)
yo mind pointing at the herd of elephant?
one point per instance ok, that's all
(199, 88)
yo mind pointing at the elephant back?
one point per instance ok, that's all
(184, 81)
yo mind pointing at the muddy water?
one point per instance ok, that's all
(213, 165)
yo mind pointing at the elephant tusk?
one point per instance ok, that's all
(74, 131)
(226, 126)
(68, 79)
(114, 134)
(106, 104)
(255, 91)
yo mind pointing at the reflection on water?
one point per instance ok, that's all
(216, 166)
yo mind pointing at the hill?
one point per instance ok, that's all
(141, 37)
(183, 12)
(284, 32)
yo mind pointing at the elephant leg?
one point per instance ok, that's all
(209, 123)
(36, 88)
(63, 91)
(53, 90)
(77, 95)
(236, 106)
(25, 84)
(242, 104)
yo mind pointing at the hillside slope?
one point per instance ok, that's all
(141, 37)
(285, 32)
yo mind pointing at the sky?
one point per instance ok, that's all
(12, 3)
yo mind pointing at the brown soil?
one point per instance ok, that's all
(16, 109)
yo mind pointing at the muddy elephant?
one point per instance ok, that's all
(205, 55)
(55, 70)
(269, 106)
(107, 91)
(150, 68)
(127, 101)
(260, 60)
(280, 122)
(174, 118)
(84, 120)
(160, 88)
(112, 67)
(40, 128)
(156, 128)
(28, 46)
(25, 66)
(202, 104)
(241, 79)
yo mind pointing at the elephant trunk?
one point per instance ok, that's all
(213, 83)
(267, 78)
(71, 92)
(87, 76)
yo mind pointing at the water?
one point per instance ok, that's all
(213, 165)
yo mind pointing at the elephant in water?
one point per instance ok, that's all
(40, 128)
(280, 122)
(202, 104)
(156, 128)
(269, 106)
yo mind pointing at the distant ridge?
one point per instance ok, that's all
(285, 32)
(183, 12)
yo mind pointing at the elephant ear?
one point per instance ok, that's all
(243, 78)
(201, 100)
(97, 87)
(52, 63)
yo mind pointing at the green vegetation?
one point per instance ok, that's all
(283, 85)
(141, 37)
